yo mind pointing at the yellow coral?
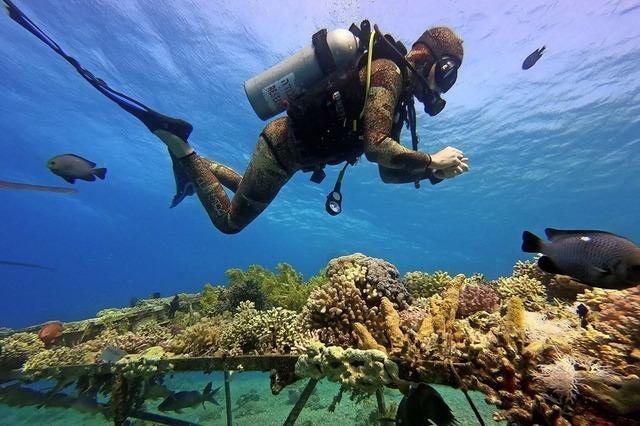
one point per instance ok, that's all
(529, 290)
(17, 348)
(392, 326)
(514, 319)
(59, 357)
(366, 339)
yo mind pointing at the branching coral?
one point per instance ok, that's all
(58, 357)
(356, 286)
(145, 336)
(17, 348)
(422, 284)
(253, 331)
(530, 290)
(201, 339)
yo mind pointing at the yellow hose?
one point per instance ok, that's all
(368, 85)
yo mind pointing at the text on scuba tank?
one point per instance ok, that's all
(279, 91)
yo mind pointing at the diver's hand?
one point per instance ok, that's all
(447, 158)
(453, 171)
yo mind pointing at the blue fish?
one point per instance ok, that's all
(533, 58)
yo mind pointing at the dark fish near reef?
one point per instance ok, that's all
(71, 167)
(186, 399)
(111, 354)
(423, 404)
(595, 258)
(533, 58)
(174, 305)
(27, 187)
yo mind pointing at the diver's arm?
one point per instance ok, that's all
(379, 146)
(407, 176)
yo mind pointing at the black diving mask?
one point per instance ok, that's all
(445, 74)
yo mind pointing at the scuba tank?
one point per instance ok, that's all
(271, 91)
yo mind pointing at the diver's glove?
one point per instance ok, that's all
(446, 158)
(453, 171)
(184, 186)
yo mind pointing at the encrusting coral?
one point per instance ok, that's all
(17, 348)
(356, 285)
(363, 370)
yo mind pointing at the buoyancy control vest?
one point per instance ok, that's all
(320, 89)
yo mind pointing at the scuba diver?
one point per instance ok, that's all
(348, 94)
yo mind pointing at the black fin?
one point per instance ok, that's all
(101, 173)
(69, 179)
(207, 389)
(546, 264)
(541, 50)
(184, 187)
(531, 243)
(552, 233)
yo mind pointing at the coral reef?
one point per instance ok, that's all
(529, 290)
(615, 323)
(201, 339)
(58, 357)
(422, 284)
(356, 285)
(17, 348)
(363, 370)
(276, 330)
(476, 297)
(287, 288)
(243, 286)
(531, 354)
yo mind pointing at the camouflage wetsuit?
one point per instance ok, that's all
(276, 159)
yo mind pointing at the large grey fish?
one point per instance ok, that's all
(71, 167)
(596, 258)
(533, 58)
(186, 399)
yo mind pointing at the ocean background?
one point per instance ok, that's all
(554, 146)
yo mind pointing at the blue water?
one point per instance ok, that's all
(556, 145)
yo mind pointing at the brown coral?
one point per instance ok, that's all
(477, 297)
(355, 288)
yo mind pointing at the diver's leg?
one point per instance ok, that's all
(271, 166)
(228, 177)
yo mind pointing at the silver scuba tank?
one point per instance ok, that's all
(270, 92)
